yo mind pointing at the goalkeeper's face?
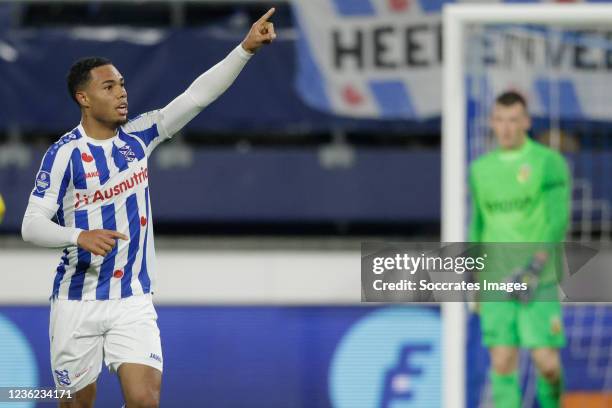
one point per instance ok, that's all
(510, 124)
(106, 97)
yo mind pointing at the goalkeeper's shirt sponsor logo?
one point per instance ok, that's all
(511, 205)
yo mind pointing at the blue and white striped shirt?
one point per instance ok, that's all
(103, 184)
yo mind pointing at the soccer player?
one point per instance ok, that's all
(521, 194)
(94, 181)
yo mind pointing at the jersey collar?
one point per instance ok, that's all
(516, 153)
(93, 141)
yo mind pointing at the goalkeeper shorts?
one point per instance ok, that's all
(528, 325)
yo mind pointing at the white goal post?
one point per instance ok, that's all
(456, 17)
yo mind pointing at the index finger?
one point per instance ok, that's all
(266, 16)
(116, 234)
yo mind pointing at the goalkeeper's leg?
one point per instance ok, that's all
(504, 377)
(541, 328)
(499, 329)
(550, 378)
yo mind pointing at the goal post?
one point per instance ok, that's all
(456, 19)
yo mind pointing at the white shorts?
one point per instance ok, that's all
(84, 332)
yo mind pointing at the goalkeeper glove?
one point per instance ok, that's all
(529, 275)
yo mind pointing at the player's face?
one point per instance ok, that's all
(510, 125)
(106, 96)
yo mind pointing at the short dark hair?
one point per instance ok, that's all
(79, 73)
(509, 98)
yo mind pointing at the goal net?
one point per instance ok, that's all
(559, 57)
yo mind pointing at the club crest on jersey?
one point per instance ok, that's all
(555, 325)
(62, 377)
(129, 155)
(43, 181)
(523, 173)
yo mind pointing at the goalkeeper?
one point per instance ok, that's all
(521, 194)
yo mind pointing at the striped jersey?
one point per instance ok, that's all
(103, 184)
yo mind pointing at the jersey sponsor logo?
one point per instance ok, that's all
(128, 153)
(116, 190)
(506, 206)
(118, 274)
(62, 377)
(92, 174)
(43, 181)
(80, 200)
(523, 173)
(86, 158)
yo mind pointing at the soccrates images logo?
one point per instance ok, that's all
(389, 358)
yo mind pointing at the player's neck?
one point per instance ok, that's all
(517, 147)
(97, 130)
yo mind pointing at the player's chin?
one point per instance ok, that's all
(122, 120)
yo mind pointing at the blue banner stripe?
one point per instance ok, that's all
(134, 221)
(434, 6)
(101, 166)
(59, 274)
(108, 264)
(75, 292)
(309, 81)
(133, 143)
(147, 135)
(119, 159)
(354, 7)
(62, 194)
(143, 275)
(568, 98)
(78, 178)
(392, 98)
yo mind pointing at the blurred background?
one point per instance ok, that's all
(329, 137)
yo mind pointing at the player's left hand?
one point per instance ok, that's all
(261, 32)
(530, 276)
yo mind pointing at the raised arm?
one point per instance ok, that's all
(154, 127)
(211, 84)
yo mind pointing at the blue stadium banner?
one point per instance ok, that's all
(273, 357)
